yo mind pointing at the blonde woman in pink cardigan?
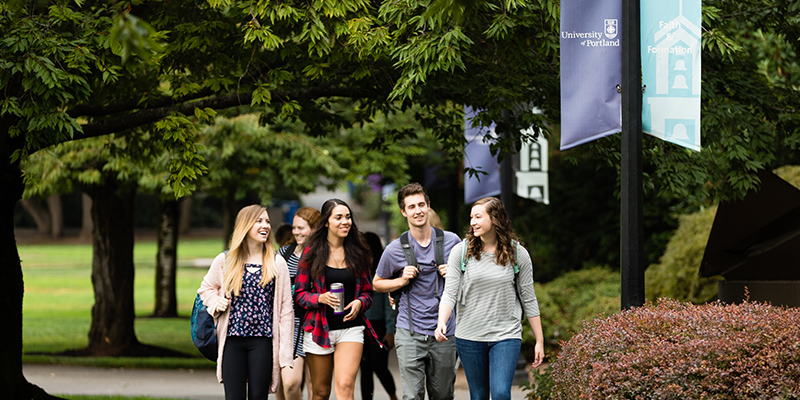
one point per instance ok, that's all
(248, 292)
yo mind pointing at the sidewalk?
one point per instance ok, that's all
(181, 384)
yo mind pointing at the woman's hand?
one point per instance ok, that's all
(328, 298)
(355, 308)
(388, 341)
(222, 304)
(538, 355)
(440, 332)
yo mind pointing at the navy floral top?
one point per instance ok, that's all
(251, 311)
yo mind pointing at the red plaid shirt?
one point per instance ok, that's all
(306, 294)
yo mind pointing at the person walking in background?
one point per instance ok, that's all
(248, 292)
(304, 222)
(424, 363)
(382, 317)
(334, 326)
(283, 235)
(433, 217)
(489, 298)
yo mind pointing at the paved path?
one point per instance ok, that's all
(176, 383)
(196, 384)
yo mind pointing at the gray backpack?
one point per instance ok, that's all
(411, 259)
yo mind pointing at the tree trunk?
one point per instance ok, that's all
(229, 212)
(13, 384)
(56, 216)
(166, 259)
(86, 217)
(185, 220)
(39, 214)
(11, 287)
(111, 331)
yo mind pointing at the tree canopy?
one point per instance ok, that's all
(75, 69)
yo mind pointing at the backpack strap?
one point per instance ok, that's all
(438, 256)
(438, 242)
(516, 256)
(408, 251)
(289, 251)
(464, 245)
(516, 273)
(411, 259)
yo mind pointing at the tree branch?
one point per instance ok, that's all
(124, 121)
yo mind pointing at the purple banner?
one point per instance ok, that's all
(478, 156)
(590, 70)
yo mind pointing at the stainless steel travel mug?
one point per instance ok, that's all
(338, 290)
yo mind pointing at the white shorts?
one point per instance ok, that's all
(354, 334)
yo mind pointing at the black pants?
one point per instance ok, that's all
(375, 359)
(247, 367)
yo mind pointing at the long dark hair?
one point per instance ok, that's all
(375, 247)
(502, 226)
(356, 252)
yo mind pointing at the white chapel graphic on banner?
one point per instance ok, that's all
(671, 70)
(530, 167)
(532, 179)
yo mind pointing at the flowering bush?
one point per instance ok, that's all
(673, 350)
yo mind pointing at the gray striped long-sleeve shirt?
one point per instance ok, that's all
(489, 309)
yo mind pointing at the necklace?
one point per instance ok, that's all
(338, 263)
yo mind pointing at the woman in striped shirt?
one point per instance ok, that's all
(491, 297)
(304, 222)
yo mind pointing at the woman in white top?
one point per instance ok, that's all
(490, 298)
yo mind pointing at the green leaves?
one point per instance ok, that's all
(131, 36)
(245, 157)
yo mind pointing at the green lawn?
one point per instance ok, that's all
(59, 297)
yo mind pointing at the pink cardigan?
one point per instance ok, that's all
(282, 320)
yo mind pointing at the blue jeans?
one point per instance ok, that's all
(489, 367)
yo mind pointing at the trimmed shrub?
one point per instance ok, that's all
(541, 387)
(674, 350)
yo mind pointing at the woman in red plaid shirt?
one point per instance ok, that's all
(336, 253)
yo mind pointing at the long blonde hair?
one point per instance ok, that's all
(233, 269)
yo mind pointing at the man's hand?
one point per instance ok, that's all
(409, 272)
(443, 270)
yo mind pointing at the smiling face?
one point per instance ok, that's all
(259, 232)
(481, 222)
(415, 210)
(300, 230)
(339, 222)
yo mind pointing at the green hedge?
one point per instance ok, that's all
(567, 301)
(677, 275)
